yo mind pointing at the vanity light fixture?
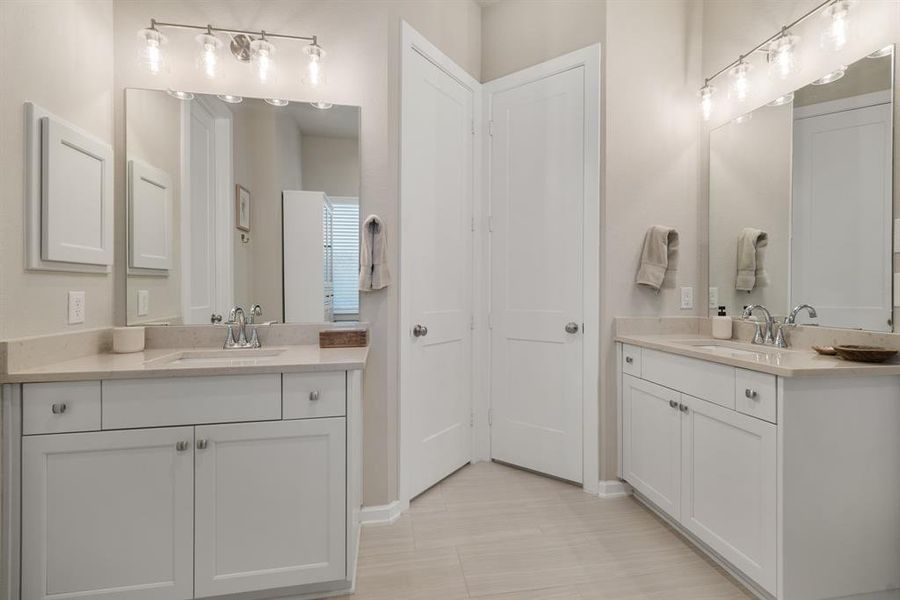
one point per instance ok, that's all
(179, 94)
(706, 100)
(277, 101)
(255, 47)
(837, 33)
(886, 51)
(740, 83)
(321, 105)
(230, 99)
(782, 100)
(831, 77)
(781, 56)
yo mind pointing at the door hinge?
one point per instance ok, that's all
(491, 128)
(490, 416)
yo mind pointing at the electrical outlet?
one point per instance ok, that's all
(143, 303)
(76, 307)
(714, 298)
(687, 298)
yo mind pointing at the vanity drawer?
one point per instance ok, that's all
(60, 407)
(310, 395)
(631, 360)
(755, 395)
(705, 380)
(131, 403)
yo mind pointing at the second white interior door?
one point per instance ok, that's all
(537, 196)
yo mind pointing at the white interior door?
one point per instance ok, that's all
(537, 200)
(842, 191)
(436, 266)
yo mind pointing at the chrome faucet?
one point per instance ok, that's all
(791, 321)
(764, 330)
(237, 318)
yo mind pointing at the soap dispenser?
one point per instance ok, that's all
(721, 325)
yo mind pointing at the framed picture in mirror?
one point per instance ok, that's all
(242, 207)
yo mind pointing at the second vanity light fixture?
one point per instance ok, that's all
(254, 47)
(780, 50)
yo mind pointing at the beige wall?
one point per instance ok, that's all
(153, 135)
(57, 54)
(331, 165)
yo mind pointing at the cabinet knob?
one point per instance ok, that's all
(673, 404)
(629, 360)
(202, 444)
(182, 446)
(683, 408)
(750, 393)
(314, 395)
(58, 409)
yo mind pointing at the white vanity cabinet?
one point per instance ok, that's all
(138, 510)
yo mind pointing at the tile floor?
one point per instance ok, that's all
(498, 533)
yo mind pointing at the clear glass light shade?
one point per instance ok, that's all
(706, 101)
(321, 105)
(315, 76)
(277, 101)
(261, 52)
(886, 51)
(740, 81)
(831, 77)
(179, 94)
(782, 56)
(782, 100)
(150, 50)
(208, 61)
(837, 33)
(230, 99)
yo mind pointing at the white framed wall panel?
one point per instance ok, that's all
(149, 217)
(96, 255)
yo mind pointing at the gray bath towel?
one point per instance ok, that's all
(750, 269)
(660, 245)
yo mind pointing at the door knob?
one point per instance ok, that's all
(420, 331)
(571, 327)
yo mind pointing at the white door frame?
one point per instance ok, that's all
(589, 58)
(224, 202)
(411, 41)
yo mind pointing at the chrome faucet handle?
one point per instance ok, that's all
(254, 338)
(769, 339)
(780, 341)
(758, 338)
(229, 336)
(255, 311)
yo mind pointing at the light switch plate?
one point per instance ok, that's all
(143, 303)
(76, 307)
(687, 298)
(714, 298)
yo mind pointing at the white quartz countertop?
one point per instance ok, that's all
(182, 362)
(767, 359)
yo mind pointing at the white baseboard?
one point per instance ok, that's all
(386, 513)
(613, 489)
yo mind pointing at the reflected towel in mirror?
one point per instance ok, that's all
(660, 245)
(373, 268)
(750, 269)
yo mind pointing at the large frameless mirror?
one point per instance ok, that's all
(241, 202)
(801, 201)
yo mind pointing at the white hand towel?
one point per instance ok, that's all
(660, 245)
(750, 269)
(373, 268)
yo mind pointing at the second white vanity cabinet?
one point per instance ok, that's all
(139, 510)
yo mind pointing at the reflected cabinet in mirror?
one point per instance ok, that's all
(801, 202)
(241, 202)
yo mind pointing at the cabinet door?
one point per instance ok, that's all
(729, 499)
(270, 505)
(651, 442)
(108, 515)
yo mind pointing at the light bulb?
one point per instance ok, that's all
(740, 81)
(831, 77)
(781, 100)
(261, 52)
(208, 61)
(150, 53)
(706, 102)
(277, 101)
(314, 73)
(837, 33)
(781, 55)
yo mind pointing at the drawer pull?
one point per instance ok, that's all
(182, 446)
(629, 360)
(202, 444)
(58, 409)
(752, 394)
(314, 395)
(673, 404)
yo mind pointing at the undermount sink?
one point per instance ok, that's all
(212, 358)
(729, 350)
